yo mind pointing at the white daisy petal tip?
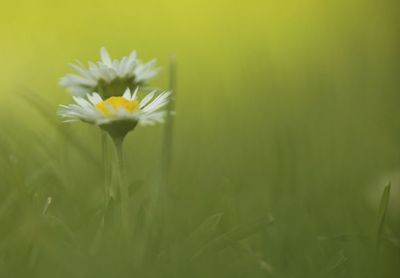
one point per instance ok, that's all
(127, 94)
(77, 99)
(94, 98)
(134, 95)
(105, 57)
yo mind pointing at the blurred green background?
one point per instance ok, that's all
(283, 108)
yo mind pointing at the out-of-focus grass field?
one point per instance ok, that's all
(285, 109)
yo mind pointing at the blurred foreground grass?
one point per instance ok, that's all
(286, 109)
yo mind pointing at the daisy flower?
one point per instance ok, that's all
(117, 114)
(109, 77)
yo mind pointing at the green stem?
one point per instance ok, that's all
(123, 187)
(105, 169)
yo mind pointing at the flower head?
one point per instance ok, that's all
(109, 77)
(117, 114)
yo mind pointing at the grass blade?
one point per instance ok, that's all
(382, 215)
(237, 234)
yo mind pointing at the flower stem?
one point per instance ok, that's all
(105, 169)
(123, 187)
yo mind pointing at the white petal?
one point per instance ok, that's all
(127, 94)
(134, 95)
(94, 98)
(157, 103)
(81, 71)
(132, 57)
(82, 102)
(92, 66)
(151, 118)
(115, 65)
(105, 57)
(146, 99)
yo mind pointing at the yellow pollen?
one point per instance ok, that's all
(117, 103)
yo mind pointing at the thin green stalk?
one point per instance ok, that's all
(106, 167)
(169, 125)
(123, 187)
(168, 132)
(159, 193)
(381, 217)
(161, 197)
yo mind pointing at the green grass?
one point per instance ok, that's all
(294, 223)
(275, 165)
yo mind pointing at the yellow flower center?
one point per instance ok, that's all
(117, 103)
